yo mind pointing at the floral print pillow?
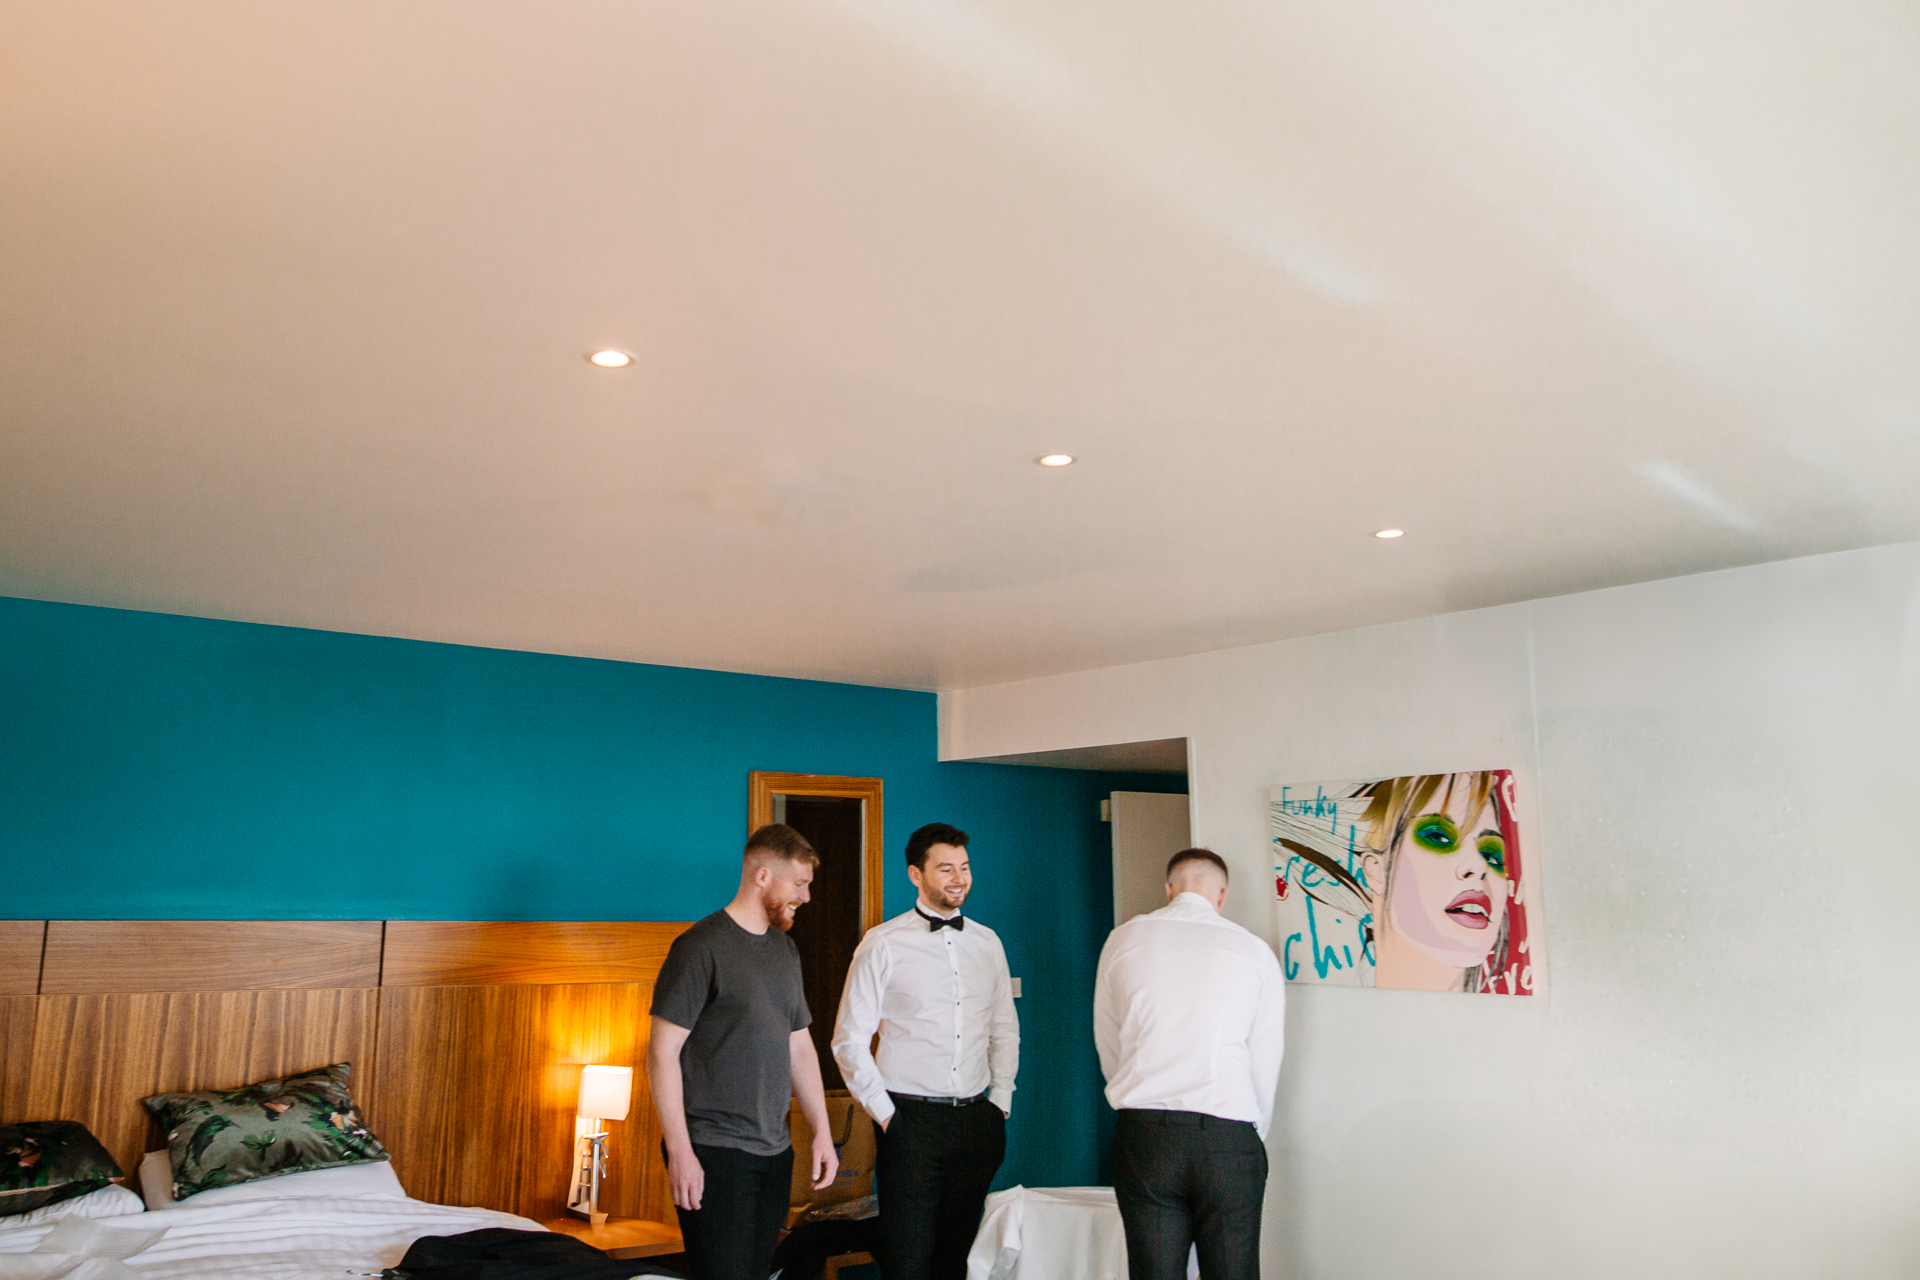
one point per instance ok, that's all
(43, 1162)
(220, 1137)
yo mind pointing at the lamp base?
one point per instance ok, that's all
(583, 1197)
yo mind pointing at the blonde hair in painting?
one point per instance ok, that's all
(1395, 804)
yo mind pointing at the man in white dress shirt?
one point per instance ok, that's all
(934, 984)
(1189, 1015)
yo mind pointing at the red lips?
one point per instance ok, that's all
(1473, 909)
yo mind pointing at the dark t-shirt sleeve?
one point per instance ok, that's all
(800, 1017)
(685, 984)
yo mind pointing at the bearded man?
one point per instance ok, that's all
(933, 983)
(729, 1049)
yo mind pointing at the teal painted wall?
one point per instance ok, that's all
(157, 767)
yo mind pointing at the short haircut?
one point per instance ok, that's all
(1196, 855)
(777, 840)
(930, 835)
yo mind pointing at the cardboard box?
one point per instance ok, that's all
(853, 1137)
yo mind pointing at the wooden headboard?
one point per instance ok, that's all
(467, 1037)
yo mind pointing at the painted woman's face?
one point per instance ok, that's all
(1449, 891)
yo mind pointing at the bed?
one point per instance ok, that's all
(297, 1238)
(467, 1037)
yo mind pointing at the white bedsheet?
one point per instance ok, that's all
(312, 1239)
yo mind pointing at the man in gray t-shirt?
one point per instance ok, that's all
(729, 1047)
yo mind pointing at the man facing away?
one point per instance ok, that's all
(934, 985)
(1189, 1015)
(729, 1048)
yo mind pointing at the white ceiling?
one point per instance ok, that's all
(293, 300)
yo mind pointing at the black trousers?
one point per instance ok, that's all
(934, 1167)
(1186, 1179)
(732, 1234)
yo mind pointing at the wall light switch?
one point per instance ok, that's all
(1016, 988)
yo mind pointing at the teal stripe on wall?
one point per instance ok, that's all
(156, 767)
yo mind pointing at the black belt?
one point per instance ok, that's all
(1182, 1119)
(938, 1102)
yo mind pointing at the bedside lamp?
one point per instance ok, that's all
(605, 1094)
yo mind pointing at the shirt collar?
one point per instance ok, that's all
(1190, 904)
(920, 908)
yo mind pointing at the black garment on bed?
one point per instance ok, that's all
(803, 1254)
(496, 1253)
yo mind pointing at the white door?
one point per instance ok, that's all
(1148, 829)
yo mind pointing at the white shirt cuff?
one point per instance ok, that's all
(881, 1108)
(1001, 1097)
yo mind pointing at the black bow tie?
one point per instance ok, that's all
(935, 923)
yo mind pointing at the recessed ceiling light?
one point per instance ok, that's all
(1055, 460)
(612, 358)
(1391, 533)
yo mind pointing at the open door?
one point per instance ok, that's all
(841, 818)
(1148, 829)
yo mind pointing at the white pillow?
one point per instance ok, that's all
(108, 1202)
(375, 1181)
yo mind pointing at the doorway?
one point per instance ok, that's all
(1149, 812)
(841, 818)
(1148, 829)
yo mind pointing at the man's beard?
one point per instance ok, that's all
(946, 899)
(780, 912)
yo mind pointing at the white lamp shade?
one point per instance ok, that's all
(605, 1092)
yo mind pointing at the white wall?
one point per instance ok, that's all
(1721, 779)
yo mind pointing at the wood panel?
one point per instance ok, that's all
(16, 1055)
(21, 942)
(110, 956)
(762, 787)
(95, 1056)
(478, 1086)
(458, 953)
(467, 1063)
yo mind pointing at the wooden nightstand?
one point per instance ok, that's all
(621, 1237)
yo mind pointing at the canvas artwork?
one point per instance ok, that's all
(1416, 883)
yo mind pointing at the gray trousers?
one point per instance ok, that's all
(1184, 1179)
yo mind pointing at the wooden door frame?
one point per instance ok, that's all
(762, 787)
